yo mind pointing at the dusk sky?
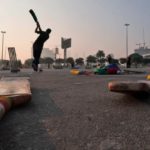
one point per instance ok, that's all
(92, 24)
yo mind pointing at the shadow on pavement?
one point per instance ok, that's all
(23, 128)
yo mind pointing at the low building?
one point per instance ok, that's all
(46, 52)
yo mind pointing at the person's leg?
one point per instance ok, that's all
(37, 49)
(38, 54)
(35, 61)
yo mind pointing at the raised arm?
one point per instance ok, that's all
(38, 29)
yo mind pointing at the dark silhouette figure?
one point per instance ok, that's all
(110, 59)
(129, 62)
(38, 45)
(72, 65)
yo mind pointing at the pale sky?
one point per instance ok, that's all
(92, 24)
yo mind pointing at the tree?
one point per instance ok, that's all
(79, 61)
(42, 61)
(91, 59)
(5, 64)
(28, 62)
(110, 58)
(59, 60)
(136, 58)
(48, 61)
(115, 61)
(71, 61)
(19, 63)
(100, 56)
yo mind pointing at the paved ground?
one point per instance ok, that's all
(70, 112)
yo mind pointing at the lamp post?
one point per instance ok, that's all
(127, 39)
(3, 32)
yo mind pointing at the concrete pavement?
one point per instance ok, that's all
(76, 113)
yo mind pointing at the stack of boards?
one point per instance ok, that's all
(14, 92)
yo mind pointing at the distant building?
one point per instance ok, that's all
(143, 51)
(46, 52)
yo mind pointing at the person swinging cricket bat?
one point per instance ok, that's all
(39, 42)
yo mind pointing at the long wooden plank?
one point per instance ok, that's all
(141, 87)
(16, 87)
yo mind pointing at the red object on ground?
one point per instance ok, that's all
(112, 70)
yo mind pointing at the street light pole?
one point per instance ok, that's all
(3, 32)
(127, 39)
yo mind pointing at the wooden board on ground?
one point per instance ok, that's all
(139, 88)
(15, 78)
(16, 89)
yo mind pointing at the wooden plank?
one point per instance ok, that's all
(14, 92)
(141, 87)
(15, 78)
(16, 89)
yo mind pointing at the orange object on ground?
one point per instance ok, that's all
(74, 72)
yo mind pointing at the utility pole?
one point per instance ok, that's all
(143, 39)
(127, 39)
(3, 32)
(56, 52)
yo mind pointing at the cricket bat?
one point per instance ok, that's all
(34, 16)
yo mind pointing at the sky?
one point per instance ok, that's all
(91, 24)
